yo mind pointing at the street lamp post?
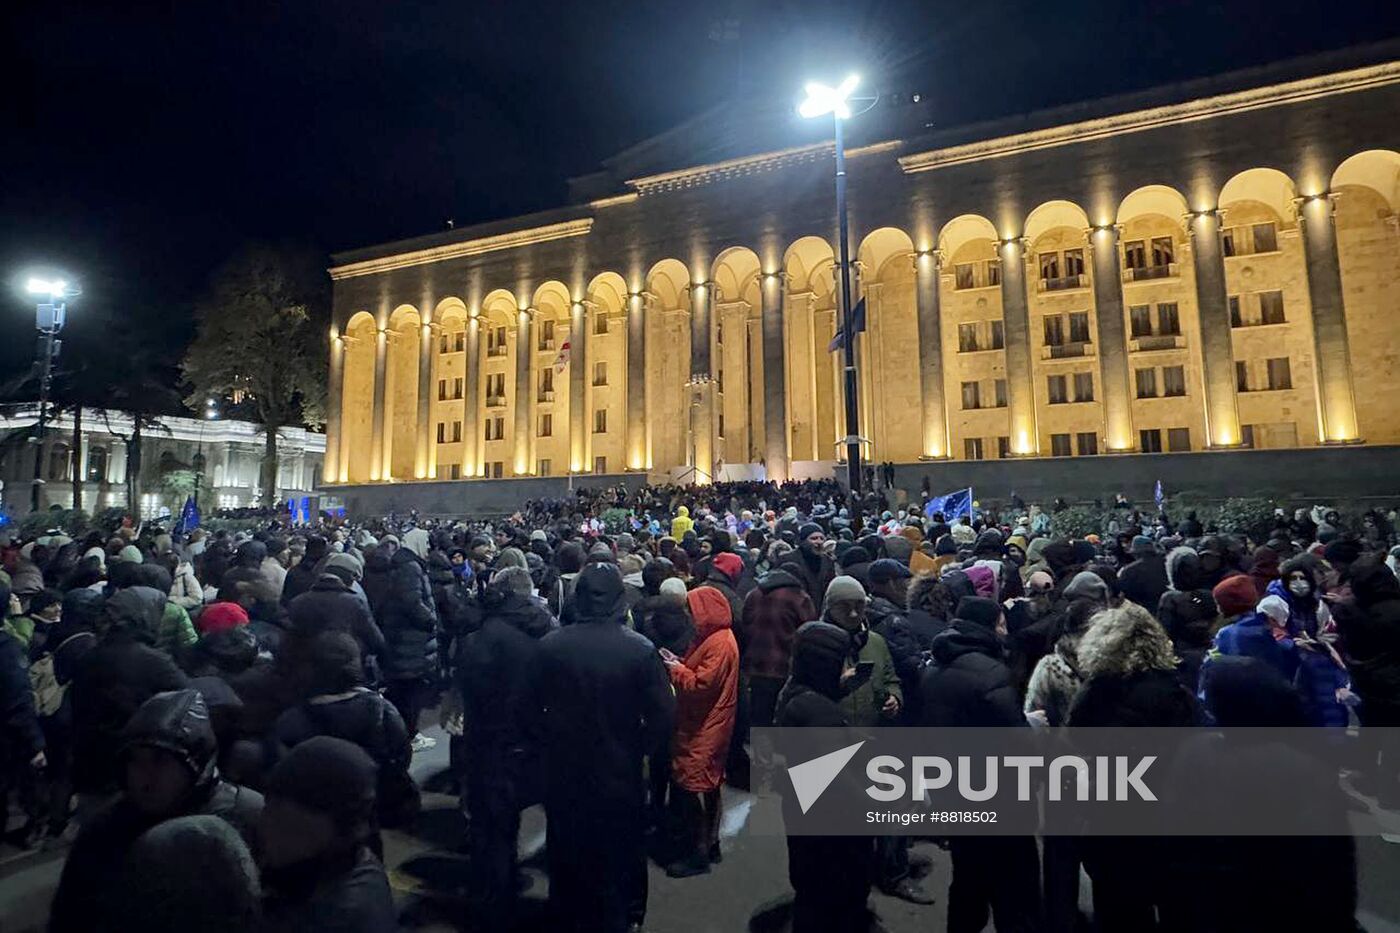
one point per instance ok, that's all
(211, 413)
(822, 100)
(48, 319)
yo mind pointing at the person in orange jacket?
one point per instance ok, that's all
(707, 693)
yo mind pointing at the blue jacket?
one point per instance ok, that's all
(1250, 637)
(1318, 677)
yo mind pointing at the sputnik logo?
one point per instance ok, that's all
(811, 778)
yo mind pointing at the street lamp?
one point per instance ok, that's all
(822, 100)
(49, 314)
(211, 413)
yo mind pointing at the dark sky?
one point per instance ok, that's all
(141, 143)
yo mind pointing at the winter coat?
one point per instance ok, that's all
(351, 898)
(493, 667)
(771, 615)
(299, 579)
(706, 682)
(375, 579)
(719, 580)
(20, 736)
(681, 523)
(408, 618)
(360, 716)
(123, 671)
(176, 630)
(179, 722)
(186, 592)
(1144, 580)
(968, 683)
(1370, 637)
(890, 623)
(1055, 681)
(815, 575)
(1318, 677)
(863, 705)
(600, 700)
(1249, 636)
(330, 605)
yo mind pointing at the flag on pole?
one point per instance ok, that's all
(857, 327)
(1159, 496)
(562, 359)
(189, 516)
(952, 504)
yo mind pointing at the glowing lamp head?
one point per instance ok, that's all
(823, 100)
(55, 288)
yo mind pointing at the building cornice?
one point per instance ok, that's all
(1206, 108)
(747, 165)
(221, 431)
(511, 240)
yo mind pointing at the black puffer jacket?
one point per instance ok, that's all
(375, 580)
(409, 620)
(493, 667)
(458, 610)
(1370, 631)
(893, 625)
(362, 717)
(176, 722)
(114, 679)
(969, 683)
(224, 653)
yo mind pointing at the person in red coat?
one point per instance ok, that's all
(707, 693)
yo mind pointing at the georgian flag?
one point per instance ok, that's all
(562, 359)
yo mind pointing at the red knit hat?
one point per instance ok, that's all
(219, 617)
(731, 565)
(1235, 595)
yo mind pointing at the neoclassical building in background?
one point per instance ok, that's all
(1213, 265)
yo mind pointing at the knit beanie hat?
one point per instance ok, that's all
(729, 564)
(842, 588)
(1087, 585)
(898, 547)
(219, 617)
(1235, 595)
(983, 581)
(1141, 546)
(343, 566)
(673, 588)
(329, 776)
(1039, 582)
(945, 546)
(1342, 551)
(979, 610)
(807, 530)
(130, 555)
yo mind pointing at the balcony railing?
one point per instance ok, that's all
(1144, 273)
(1064, 283)
(1067, 351)
(495, 401)
(496, 351)
(547, 395)
(546, 344)
(1148, 342)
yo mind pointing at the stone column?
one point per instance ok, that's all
(1113, 347)
(701, 387)
(637, 456)
(928, 266)
(578, 388)
(333, 470)
(471, 422)
(423, 459)
(378, 450)
(1015, 311)
(524, 389)
(775, 422)
(1213, 311)
(1336, 401)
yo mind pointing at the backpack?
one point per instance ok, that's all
(43, 680)
(398, 799)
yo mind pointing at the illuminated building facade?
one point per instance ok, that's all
(1207, 266)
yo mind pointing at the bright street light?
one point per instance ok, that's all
(55, 288)
(822, 99)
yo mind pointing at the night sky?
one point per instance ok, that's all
(144, 142)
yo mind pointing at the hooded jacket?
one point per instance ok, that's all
(493, 669)
(330, 605)
(681, 523)
(1370, 636)
(176, 722)
(1144, 580)
(600, 700)
(707, 692)
(114, 679)
(360, 716)
(969, 683)
(771, 615)
(890, 623)
(814, 569)
(811, 696)
(409, 620)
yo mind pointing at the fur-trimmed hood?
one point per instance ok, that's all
(1125, 640)
(1181, 559)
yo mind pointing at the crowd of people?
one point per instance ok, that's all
(223, 724)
